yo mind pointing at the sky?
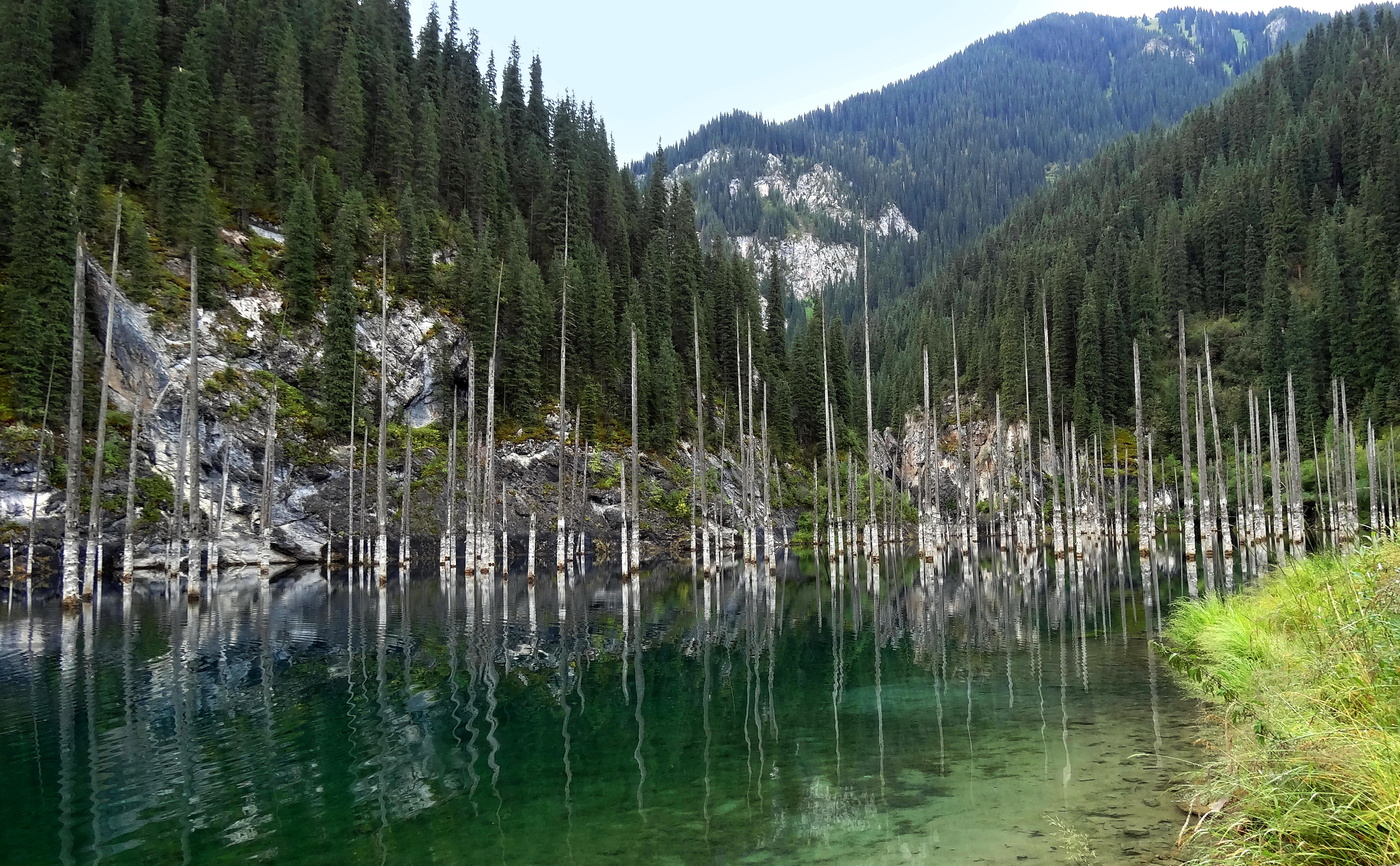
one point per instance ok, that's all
(656, 71)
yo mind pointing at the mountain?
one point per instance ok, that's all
(930, 162)
(1270, 218)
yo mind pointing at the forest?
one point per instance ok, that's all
(1270, 217)
(373, 151)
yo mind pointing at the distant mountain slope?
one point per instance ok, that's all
(1271, 218)
(953, 148)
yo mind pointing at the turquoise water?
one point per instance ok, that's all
(962, 712)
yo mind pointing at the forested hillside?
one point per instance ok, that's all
(954, 148)
(1272, 218)
(232, 127)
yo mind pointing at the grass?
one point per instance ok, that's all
(1303, 674)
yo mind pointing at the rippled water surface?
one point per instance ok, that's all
(957, 712)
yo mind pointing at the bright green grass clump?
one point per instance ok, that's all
(1305, 672)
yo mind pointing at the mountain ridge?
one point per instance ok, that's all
(954, 147)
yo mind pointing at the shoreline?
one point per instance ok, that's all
(1299, 676)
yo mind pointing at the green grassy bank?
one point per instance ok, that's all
(1301, 676)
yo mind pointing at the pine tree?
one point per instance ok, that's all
(341, 308)
(180, 170)
(299, 256)
(37, 301)
(347, 112)
(26, 51)
(287, 142)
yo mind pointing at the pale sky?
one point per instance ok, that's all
(658, 70)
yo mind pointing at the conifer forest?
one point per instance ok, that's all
(396, 472)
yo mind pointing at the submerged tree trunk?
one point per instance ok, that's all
(381, 547)
(634, 565)
(269, 469)
(1188, 529)
(128, 531)
(489, 485)
(701, 461)
(350, 557)
(869, 400)
(1144, 501)
(560, 539)
(192, 443)
(405, 524)
(1057, 518)
(95, 505)
(72, 554)
(34, 495)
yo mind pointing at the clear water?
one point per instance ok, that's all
(949, 713)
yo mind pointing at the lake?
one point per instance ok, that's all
(999, 710)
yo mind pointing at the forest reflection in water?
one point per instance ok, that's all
(995, 708)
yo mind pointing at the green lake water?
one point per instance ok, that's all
(998, 711)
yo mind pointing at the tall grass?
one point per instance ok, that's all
(1304, 673)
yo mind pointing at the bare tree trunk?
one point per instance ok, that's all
(750, 465)
(560, 539)
(833, 516)
(489, 484)
(1276, 468)
(129, 530)
(217, 535)
(1222, 511)
(363, 548)
(34, 496)
(381, 547)
(447, 555)
(925, 542)
(869, 401)
(405, 523)
(1057, 518)
(177, 518)
(269, 470)
(350, 557)
(1144, 503)
(1188, 529)
(95, 504)
(192, 463)
(473, 462)
(767, 492)
(635, 565)
(1203, 473)
(701, 458)
(1295, 505)
(72, 531)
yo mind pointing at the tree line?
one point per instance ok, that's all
(377, 154)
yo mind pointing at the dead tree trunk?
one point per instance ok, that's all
(129, 530)
(381, 545)
(635, 565)
(1057, 518)
(192, 443)
(872, 541)
(1188, 529)
(72, 541)
(405, 524)
(1144, 503)
(95, 505)
(269, 470)
(1222, 510)
(701, 458)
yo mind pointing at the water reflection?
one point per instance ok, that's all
(867, 712)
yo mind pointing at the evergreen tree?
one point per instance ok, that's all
(38, 300)
(341, 309)
(299, 256)
(347, 118)
(180, 170)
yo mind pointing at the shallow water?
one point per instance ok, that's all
(960, 712)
